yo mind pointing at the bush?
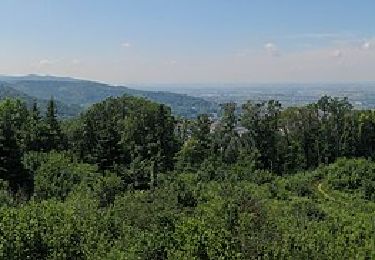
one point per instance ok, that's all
(5, 194)
(356, 175)
(106, 188)
(59, 175)
(54, 230)
(307, 209)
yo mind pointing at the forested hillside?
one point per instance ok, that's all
(128, 180)
(63, 110)
(85, 93)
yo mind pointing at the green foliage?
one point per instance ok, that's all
(64, 110)
(191, 155)
(105, 188)
(262, 121)
(12, 117)
(5, 194)
(54, 139)
(130, 136)
(53, 230)
(140, 174)
(196, 148)
(124, 181)
(308, 209)
(119, 130)
(60, 174)
(76, 94)
(352, 176)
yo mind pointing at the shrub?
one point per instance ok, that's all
(59, 175)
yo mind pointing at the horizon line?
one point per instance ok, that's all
(144, 84)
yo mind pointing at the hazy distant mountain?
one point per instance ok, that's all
(7, 91)
(63, 110)
(34, 77)
(85, 93)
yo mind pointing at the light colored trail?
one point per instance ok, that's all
(327, 196)
(320, 189)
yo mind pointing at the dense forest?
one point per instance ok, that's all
(63, 110)
(128, 180)
(74, 95)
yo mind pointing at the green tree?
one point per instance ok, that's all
(12, 117)
(262, 122)
(119, 132)
(60, 174)
(226, 141)
(52, 135)
(34, 130)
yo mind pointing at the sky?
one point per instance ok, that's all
(190, 41)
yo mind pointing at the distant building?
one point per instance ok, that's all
(214, 126)
(240, 130)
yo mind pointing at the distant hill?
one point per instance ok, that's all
(63, 110)
(34, 77)
(85, 93)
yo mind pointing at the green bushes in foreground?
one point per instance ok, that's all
(187, 218)
(123, 182)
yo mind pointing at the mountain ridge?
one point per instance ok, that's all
(63, 110)
(85, 93)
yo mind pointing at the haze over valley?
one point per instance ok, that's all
(187, 129)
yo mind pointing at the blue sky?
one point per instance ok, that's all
(186, 41)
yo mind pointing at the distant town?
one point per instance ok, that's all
(361, 95)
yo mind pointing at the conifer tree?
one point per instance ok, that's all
(33, 131)
(11, 168)
(53, 135)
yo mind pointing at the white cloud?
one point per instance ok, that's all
(337, 53)
(272, 49)
(45, 62)
(126, 44)
(331, 62)
(366, 45)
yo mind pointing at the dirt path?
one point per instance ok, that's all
(327, 196)
(320, 189)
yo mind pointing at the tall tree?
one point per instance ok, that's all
(34, 130)
(53, 137)
(11, 168)
(225, 139)
(197, 148)
(262, 122)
